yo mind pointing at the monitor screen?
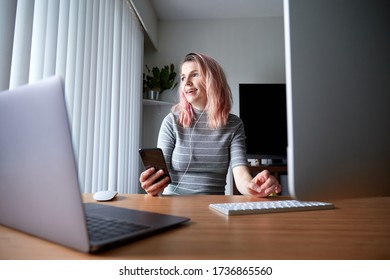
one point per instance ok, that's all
(263, 112)
(338, 98)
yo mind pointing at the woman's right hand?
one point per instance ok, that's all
(150, 183)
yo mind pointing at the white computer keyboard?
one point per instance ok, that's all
(259, 207)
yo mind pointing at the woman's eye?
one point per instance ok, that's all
(192, 76)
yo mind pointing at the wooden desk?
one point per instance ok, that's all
(357, 229)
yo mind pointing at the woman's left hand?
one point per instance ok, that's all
(264, 184)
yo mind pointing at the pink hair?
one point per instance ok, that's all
(219, 96)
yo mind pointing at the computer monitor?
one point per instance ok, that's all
(274, 146)
(338, 98)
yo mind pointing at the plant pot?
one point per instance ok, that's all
(153, 94)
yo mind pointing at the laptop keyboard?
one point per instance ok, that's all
(100, 229)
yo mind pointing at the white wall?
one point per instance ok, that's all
(249, 50)
(149, 21)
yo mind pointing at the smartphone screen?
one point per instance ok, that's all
(155, 158)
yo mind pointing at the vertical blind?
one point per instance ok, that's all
(97, 47)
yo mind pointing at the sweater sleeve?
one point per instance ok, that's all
(238, 154)
(167, 139)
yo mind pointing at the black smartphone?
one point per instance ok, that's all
(154, 157)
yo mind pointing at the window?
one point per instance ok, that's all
(97, 47)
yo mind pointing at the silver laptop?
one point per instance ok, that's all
(39, 190)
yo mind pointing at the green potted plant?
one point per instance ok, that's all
(156, 80)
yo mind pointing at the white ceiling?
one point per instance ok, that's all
(216, 9)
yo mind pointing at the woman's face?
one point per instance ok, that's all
(192, 85)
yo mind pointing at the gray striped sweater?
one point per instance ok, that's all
(198, 157)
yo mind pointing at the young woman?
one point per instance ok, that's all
(200, 139)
